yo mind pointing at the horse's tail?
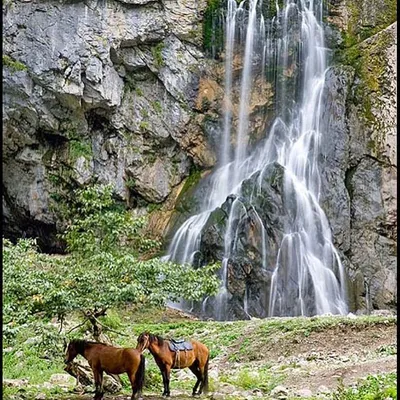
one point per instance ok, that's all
(139, 377)
(205, 384)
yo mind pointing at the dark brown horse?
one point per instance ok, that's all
(112, 360)
(196, 360)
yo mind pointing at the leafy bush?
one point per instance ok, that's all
(107, 266)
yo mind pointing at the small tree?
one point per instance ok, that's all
(107, 266)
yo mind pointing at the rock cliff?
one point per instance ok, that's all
(98, 90)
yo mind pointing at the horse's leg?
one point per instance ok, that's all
(167, 376)
(101, 384)
(195, 369)
(136, 377)
(98, 381)
(132, 378)
(204, 377)
(164, 380)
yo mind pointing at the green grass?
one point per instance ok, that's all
(157, 106)
(250, 379)
(157, 55)
(374, 387)
(237, 342)
(13, 65)
(144, 125)
(28, 363)
(389, 350)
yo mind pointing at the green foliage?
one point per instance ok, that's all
(130, 183)
(139, 91)
(153, 207)
(144, 125)
(105, 266)
(184, 202)
(144, 113)
(212, 31)
(13, 65)
(157, 54)
(157, 106)
(79, 148)
(374, 387)
(130, 83)
(388, 350)
(205, 104)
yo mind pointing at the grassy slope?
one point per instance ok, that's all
(248, 358)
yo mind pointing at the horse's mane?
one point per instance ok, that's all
(80, 344)
(157, 338)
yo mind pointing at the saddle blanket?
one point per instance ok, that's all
(179, 345)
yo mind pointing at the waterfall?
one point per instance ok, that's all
(289, 52)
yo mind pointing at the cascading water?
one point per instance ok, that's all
(307, 277)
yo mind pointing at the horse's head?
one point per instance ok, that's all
(72, 351)
(143, 341)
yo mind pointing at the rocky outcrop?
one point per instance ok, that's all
(363, 123)
(98, 91)
(247, 279)
(372, 174)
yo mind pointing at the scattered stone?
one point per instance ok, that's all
(62, 380)
(213, 374)
(280, 392)
(47, 385)
(323, 389)
(32, 340)
(257, 393)
(304, 393)
(183, 374)
(227, 387)
(15, 382)
(40, 396)
(218, 396)
(382, 312)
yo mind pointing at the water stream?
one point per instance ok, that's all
(288, 51)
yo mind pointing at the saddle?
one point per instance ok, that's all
(179, 345)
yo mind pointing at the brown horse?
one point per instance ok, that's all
(196, 359)
(112, 360)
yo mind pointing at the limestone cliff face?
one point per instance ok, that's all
(360, 152)
(98, 90)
